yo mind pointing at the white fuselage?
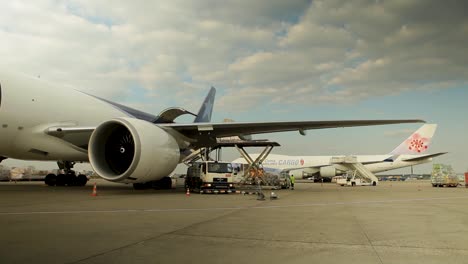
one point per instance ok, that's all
(29, 106)
(312, 164)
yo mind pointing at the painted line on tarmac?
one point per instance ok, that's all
(231, 208)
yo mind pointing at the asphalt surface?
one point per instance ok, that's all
(395, 222)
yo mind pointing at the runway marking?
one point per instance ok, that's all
(230, 208)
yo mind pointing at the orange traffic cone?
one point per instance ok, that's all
(188, 192)
(94, 190)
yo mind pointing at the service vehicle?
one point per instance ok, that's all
(210, 177)
(284, 180)
(350, 179)
(443, 176)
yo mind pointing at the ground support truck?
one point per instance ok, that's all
(351, 179)
(443, 176)
(210, 177)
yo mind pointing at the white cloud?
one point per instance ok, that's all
(286, 51)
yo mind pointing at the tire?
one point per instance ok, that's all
(140, 186)
(81, 180)
(165, 183)
(61, 180)
(50, 179)
(70, 179)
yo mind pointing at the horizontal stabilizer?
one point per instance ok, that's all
(423, 157)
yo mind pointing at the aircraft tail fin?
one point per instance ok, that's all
(206, 109)
(418, 142)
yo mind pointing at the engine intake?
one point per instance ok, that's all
(132, 150)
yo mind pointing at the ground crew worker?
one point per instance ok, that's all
(291, 178)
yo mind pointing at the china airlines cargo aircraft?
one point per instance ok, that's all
(43, 121)
(410, 152)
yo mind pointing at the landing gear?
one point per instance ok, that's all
(51, 179)
(141, 186)
(69, 178)
(61, 180)
(164, 183)
(81, 180)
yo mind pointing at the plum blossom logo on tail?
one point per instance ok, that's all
(417, 143)
(302, 162)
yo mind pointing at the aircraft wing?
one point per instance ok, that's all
(210, 131)
(422, 157)
(78, 136)
(62, 131)
(205, 134)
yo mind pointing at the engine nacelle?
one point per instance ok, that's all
(328, 171)
(132, 150)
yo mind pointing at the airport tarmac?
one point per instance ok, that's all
(395, 222)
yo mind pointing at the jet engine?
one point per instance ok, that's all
(132, 150)
(328, 171)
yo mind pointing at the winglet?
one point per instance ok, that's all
(206, 109)
(418, 142)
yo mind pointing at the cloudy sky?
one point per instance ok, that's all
(269, 60)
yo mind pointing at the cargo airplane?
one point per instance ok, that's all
(410, 152)
(43, 121)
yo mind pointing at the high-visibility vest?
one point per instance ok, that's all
(292, 179)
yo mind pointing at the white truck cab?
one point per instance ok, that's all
(210, 177)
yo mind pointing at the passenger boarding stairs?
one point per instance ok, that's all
(351, 163)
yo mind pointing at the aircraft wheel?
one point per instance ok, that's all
(140, 186)
(70, 179)
(61, 180)
(165, 183)
(50, 179)
(81, 180)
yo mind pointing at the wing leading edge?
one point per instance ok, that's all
(203, 132)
